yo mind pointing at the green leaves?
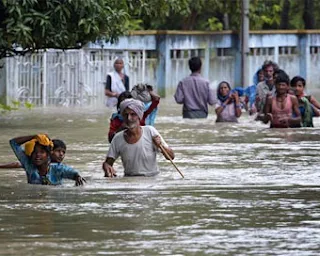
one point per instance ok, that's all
(214, 24)
(15, 105)
(32, 24)
(29, 25)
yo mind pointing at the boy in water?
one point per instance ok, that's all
(282, 110)
(308, 105)
(35, 159)
(57, 155)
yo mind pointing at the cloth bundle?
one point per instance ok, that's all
(41, 139)
(141, 92)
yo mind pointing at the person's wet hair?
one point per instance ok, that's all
(220, 84)
(282, 78)
(278, 72)
(195, 64)
(122, 97)
(59, 144)
(296, 79)
(268, 63)
(118, 59)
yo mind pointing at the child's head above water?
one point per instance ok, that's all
(122, 97)
(40, 154)
(59, 151)
(282, 83)
(298, 84)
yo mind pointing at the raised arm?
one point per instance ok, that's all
(237, 104)
(16, 143)
(155, 102)
(222, 106)
(23, 139)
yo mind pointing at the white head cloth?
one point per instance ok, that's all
(136, 105)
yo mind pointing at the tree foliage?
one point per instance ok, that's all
(28, 25)
(219, 15)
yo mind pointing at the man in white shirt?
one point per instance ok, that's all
(137, 145)
(267, 87)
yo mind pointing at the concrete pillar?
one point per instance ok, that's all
(236, 45)
(3, 81)
(245, 43)
(304, 56)
(206, 62)
(164, 65)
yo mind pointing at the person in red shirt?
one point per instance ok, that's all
(116, 120)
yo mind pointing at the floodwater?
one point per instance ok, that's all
(248, 190)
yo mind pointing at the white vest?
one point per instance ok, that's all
(117, 86)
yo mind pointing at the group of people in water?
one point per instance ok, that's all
(131, 134)
(273, 98)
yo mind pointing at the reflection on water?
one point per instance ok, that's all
(248, 190)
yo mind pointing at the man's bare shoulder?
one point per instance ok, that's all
(293, 98)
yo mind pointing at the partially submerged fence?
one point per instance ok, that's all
(77, 77)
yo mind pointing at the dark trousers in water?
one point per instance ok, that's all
(194, 114)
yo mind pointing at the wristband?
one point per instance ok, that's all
(238, 105)
(223, 105)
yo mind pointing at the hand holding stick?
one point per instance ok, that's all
(168, 157)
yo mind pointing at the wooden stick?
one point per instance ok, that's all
(168, 156)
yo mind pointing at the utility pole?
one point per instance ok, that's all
(244, 37)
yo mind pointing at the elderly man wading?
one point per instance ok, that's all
(137, 145)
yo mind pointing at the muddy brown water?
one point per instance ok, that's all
(248, 190)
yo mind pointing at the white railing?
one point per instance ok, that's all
(77, 77)
(69, 78)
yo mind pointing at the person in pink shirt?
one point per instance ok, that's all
(228, 108)
(282, 110)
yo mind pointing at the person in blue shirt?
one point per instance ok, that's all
(56, 155)
(250, 92)
(35, 159)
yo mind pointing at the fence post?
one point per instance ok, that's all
(304, 57)
(143, 65)
(44, 79)
(276, 54)
(245, 42)
(4, 85)
(80, 75)
(164, 64)
(237, 65)
(206, 66)
(127, 68)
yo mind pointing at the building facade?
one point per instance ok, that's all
(160, 58)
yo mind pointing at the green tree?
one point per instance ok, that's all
(28, 25)
(218, 15)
